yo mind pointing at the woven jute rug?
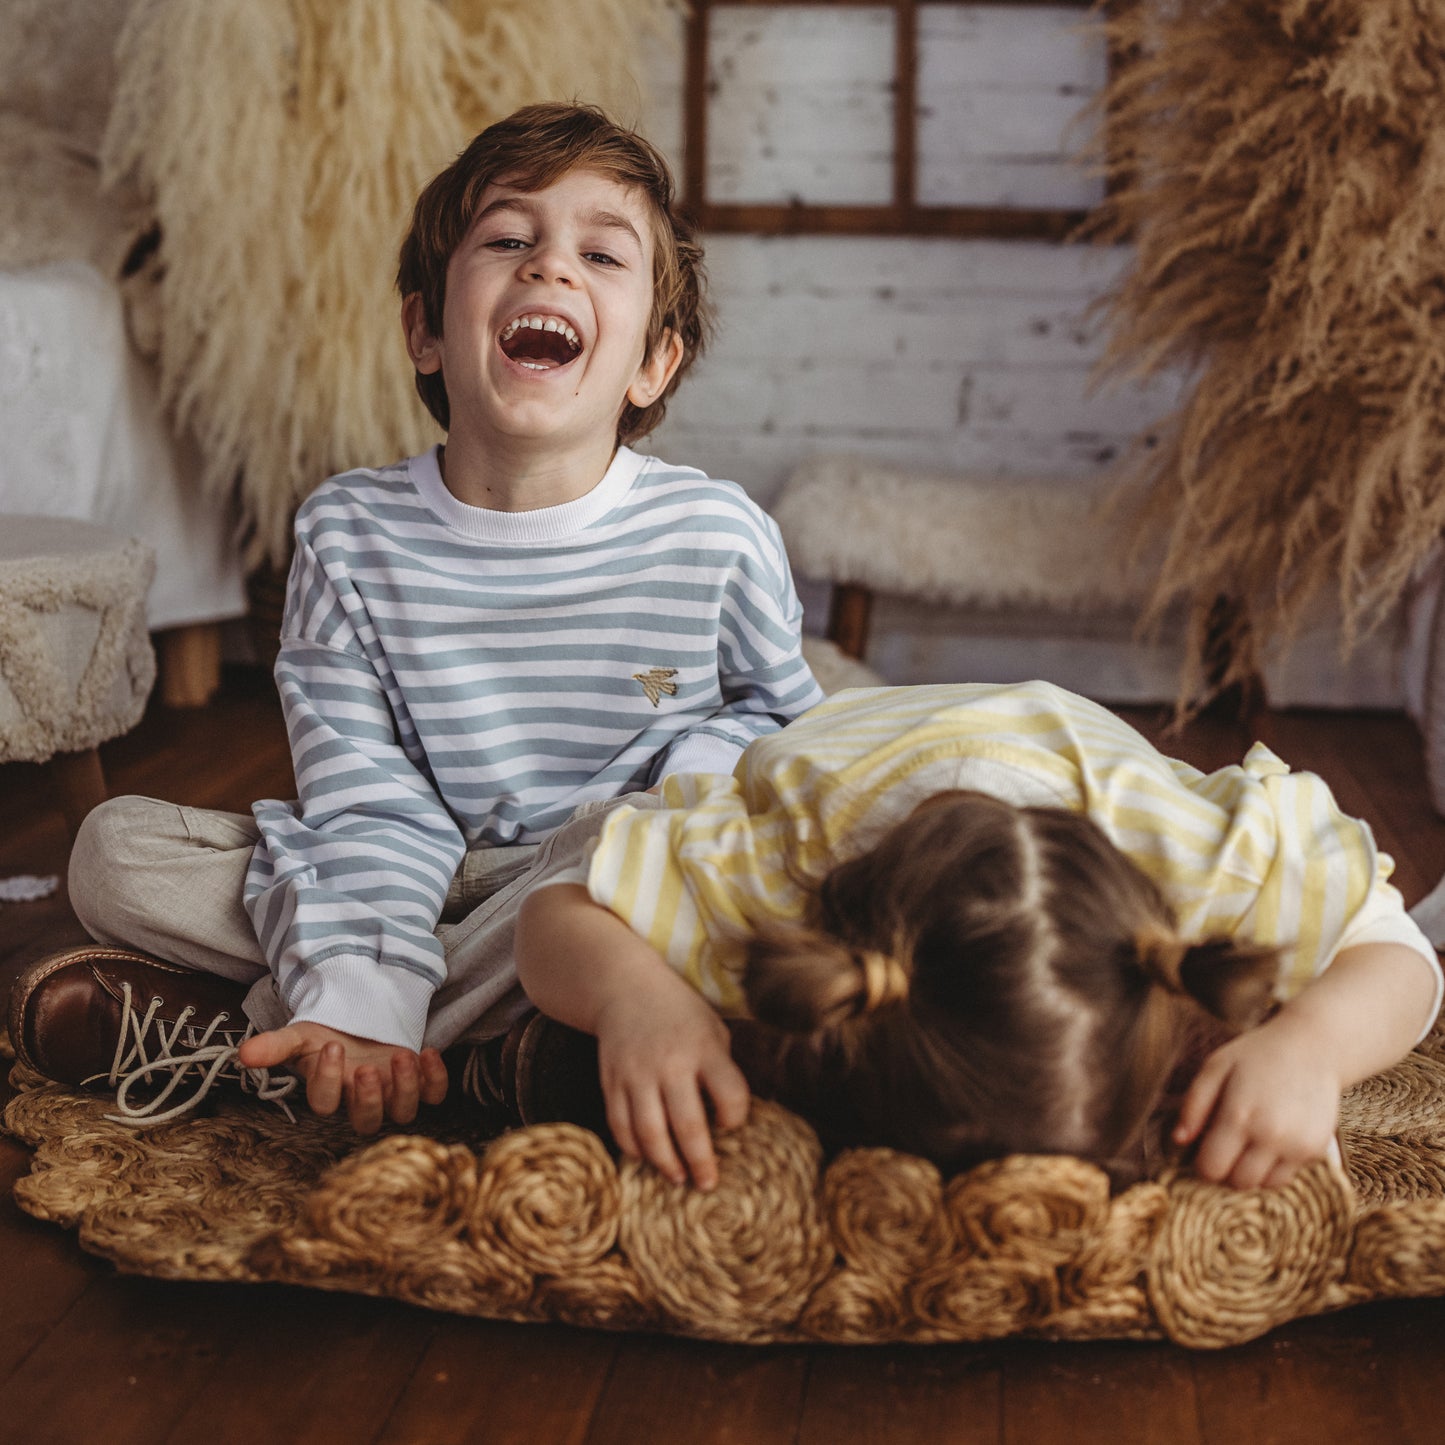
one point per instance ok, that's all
(543, 1224)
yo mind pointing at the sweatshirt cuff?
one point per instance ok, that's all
(354, 993)
(701, 753)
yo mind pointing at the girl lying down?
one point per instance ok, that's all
(976, 920)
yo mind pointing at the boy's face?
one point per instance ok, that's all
(544, 328)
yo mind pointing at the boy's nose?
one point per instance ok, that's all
(547, 266)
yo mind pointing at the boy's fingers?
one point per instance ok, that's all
(433, 1077)
(324, 1082)
(404, 1096)
(654, 1138)
(689, 1128)
(266, 1051)
(366, 1105)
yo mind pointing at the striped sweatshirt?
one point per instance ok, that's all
(453, 677)
(1252, 851)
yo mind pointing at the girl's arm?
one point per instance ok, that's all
(1269, 1100)
(660, 1045)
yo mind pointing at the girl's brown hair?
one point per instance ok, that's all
(530, 149)
(988, 980)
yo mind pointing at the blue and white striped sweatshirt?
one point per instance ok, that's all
(453, 676)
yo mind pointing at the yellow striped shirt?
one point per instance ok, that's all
(1252, 850)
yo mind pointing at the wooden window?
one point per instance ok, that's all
(919, 113)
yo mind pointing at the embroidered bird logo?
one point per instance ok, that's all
(656, 682)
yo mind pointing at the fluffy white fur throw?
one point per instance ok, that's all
(992, 542)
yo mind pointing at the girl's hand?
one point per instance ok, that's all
(1263, 1105)
(659, 1053)
(378, 1082)
(660, 1046)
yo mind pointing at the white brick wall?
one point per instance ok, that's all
(936, 353)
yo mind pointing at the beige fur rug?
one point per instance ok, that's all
(543, 1224)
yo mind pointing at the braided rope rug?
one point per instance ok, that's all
(542, 1224)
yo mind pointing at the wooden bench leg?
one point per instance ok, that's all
(848, 614)
(190, 664)
(79, 785)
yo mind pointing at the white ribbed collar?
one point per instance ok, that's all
(543, 524)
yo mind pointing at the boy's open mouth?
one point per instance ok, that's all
(539, 342)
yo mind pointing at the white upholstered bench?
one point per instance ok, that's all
(993, 545)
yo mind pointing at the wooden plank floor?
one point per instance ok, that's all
(87, 1355)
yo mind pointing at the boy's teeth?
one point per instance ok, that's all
(541, 323)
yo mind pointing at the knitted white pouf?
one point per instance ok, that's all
(76, 664)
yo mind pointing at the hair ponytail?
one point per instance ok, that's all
(802, 980)
(1233, 981)
(1160, 955)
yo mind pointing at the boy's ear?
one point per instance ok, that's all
(657, 369)
(423, 348)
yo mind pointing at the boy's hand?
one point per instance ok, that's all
(1265, 1104)
(379, 1082)
(658, 1053)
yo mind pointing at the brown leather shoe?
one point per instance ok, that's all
(538, 1072)
(118, 1019)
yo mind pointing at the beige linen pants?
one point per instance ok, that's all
(167, 879)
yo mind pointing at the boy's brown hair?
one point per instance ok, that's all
(988, 980)
(530, 149)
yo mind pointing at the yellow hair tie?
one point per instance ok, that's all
(884, 979)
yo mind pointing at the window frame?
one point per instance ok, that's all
(904, 215)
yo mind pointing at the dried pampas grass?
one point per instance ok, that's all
(282, 143)
(1280, 167)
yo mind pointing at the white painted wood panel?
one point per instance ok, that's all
(1036, 48)
(1001, 90)
(801, 105)
(971, 356)
(908, 268)
(842, 403)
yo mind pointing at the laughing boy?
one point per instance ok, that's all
(478, 641)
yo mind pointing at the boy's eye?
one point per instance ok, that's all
(602, 258)
(507, 243)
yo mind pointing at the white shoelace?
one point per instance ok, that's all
(211, 1051)
(477, 1080)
